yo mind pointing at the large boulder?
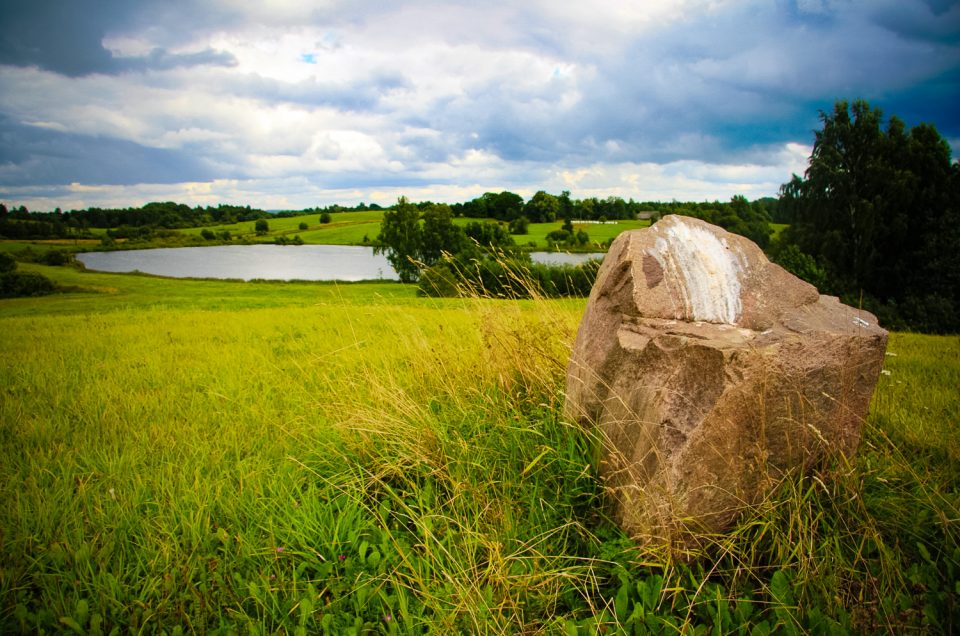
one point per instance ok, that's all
(709, 373)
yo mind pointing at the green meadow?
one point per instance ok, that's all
(345, 228)
(599, 233)
(229, 457)
(360, 228)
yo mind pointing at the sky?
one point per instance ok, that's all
(283, 104)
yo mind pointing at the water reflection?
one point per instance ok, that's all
(269, 262)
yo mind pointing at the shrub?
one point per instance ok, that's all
(801, 265)
(14, 284)
(324, 218)
(56, 258)
(520, 225)
(439, 281)
(7, 263)
(208, 234)
(509, 278)
(303, 226)
(261, 227)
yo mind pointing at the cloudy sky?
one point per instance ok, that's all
(288, 104)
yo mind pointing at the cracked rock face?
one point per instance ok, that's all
(709, 373)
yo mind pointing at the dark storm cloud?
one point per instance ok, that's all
(719, 85)
(36, 156)
(66, 37)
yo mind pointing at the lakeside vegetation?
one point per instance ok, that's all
(343, 226)
(218, 456)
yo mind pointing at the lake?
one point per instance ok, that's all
(269, 262)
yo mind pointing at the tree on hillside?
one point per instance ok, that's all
(542, 208)
(566, 209)
(879, 210)
(504, 206)
(401, 239)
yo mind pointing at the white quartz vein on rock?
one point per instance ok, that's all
(710, 271)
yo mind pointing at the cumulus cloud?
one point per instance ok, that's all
(438, 99)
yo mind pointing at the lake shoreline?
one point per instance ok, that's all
(268, 262)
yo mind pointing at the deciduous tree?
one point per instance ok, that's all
(879, 210)
(440, 234)
(401, 239)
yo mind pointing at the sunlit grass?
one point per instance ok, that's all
(599, 233)
(345, 228)
(226, 456)
(97, 292)
(778, 229)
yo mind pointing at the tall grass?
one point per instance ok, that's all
(335, 460)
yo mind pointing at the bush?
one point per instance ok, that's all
(439, 281)
(225, 235)
(14, 284)
(57, 258)
(801, 265)
(7, 263)
(261, 227)
(324, 218)
(208, 234)
(303, 226)
(507, 278)
(520, 225)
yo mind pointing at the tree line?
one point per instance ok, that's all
(417, 232)
(20, 223)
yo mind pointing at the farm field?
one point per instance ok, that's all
(598, 233)
(351, 228)
(345, 228)
(327, 234)
(220, 457)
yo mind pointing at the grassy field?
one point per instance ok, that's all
(222, 457)
(598, 233)
(345, 228)
(351, 228)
